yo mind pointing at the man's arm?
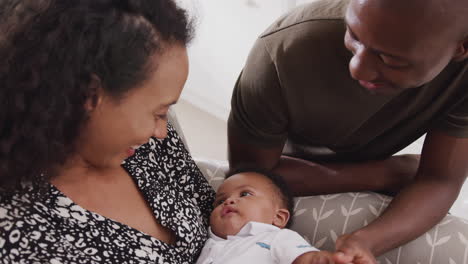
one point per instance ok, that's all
(308, 178)
(418, 207)
(421, 204)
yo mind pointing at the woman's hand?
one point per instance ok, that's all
(315, 257)
(351, 249)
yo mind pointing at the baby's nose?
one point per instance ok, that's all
(229, 201)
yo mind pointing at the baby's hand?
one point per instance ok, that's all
(315, 257)
(349, 249)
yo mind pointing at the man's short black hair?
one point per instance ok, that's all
(281, 187)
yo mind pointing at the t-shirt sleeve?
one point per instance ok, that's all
(288, 245)
(259, 113)
(455, 122)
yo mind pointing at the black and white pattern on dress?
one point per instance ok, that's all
(52, 229)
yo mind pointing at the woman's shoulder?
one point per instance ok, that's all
(19, 212)
(16, 204)
(18, 207)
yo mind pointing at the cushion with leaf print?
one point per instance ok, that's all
(321, 219)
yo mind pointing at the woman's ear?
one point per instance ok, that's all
(281, 218)
(462, 51)
(94, 97)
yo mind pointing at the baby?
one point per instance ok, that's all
(248, 224)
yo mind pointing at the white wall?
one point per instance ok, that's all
(225, 32)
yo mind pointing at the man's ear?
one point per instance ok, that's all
(281, 218)
(94, 96)
(462, 51)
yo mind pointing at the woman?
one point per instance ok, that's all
(90, 171)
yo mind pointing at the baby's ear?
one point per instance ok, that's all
(281, 218)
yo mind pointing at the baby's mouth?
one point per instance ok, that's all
(227, 210)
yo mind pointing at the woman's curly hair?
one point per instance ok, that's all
(50, 51)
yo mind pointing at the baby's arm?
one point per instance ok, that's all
(314, 257)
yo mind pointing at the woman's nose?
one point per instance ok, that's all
(362, 66)
(160, 131)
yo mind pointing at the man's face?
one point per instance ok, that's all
(242, 198)
(393, 51)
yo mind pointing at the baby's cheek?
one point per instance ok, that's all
(212, 216)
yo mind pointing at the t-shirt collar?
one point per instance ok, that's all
(249, 229)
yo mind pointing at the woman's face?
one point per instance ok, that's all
(117, 127)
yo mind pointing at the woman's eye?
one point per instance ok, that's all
(242, 194)
(162, 117)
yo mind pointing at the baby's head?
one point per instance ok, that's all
(250, 195)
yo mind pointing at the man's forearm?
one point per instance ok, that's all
(416, 209)
(308, 178)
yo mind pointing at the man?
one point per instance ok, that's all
(328, 116)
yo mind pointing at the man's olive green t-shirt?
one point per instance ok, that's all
(296, 88)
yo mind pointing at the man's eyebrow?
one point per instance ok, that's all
(373, 49)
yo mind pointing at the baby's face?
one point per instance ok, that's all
(243, 198)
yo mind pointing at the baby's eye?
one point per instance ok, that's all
(242, 194)
(218, 202)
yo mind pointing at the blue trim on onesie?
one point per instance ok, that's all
(263, 245)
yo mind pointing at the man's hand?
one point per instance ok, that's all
(315, 257)
(351, 249)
